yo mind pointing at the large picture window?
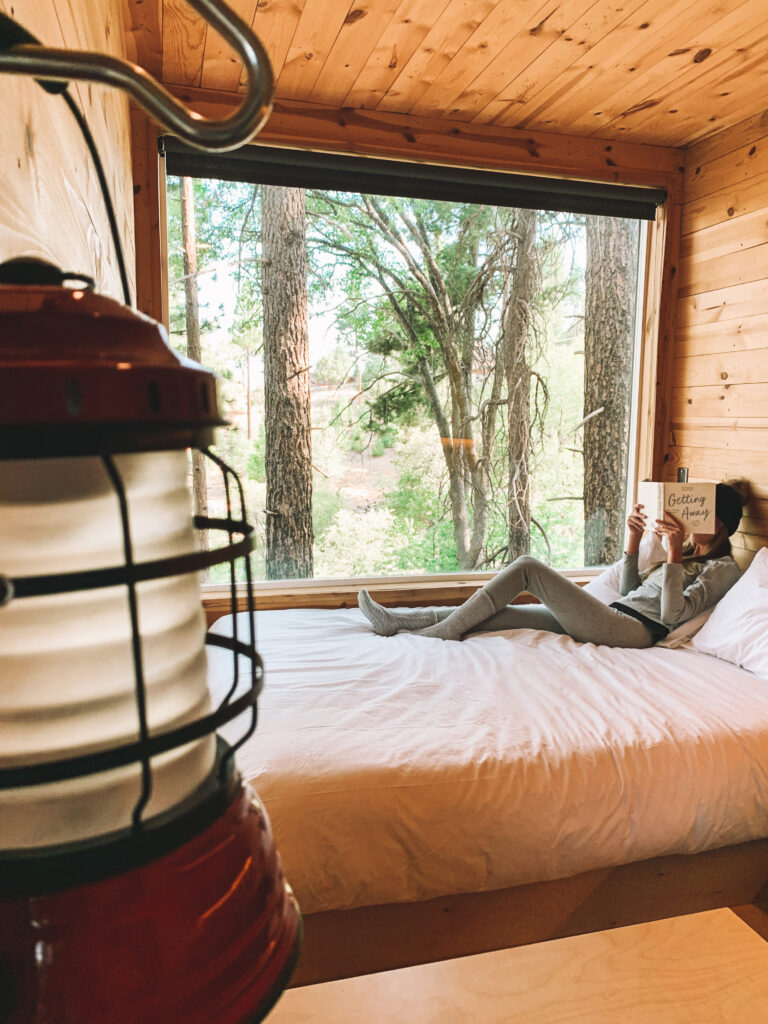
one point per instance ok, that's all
(415, 385)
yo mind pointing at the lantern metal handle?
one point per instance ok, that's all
(21, 53)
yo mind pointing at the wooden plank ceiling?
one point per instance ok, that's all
(668, 72)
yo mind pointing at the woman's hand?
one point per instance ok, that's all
(636, 526)
(671, 528)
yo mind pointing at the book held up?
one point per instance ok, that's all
(692, 503)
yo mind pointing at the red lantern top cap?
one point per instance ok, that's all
(52, 324)
(81, 374)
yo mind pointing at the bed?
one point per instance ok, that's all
(435, 798)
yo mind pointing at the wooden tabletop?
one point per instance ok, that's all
(708, 968)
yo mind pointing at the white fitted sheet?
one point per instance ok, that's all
(404, 768)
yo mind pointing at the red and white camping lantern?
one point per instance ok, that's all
(138, 878)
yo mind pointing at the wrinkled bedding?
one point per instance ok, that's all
(404, 768)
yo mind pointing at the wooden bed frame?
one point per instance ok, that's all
(347, 943)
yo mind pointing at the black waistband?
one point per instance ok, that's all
(657, 631)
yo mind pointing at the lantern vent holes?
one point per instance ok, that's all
(74, 398)
(153, 396)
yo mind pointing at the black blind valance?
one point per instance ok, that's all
(267, 165)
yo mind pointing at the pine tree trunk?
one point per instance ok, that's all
(517, 328)
(194, 350)
(611, 295)
(286, 384)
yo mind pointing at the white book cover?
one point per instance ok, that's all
(692, 503)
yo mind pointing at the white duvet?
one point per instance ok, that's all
(404, 768)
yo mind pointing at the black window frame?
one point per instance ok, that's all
(273, 165)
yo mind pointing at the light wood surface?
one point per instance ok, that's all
(150, 218)
(658, 327)
(708, 968)
(144, 34)
(719, 417)
(50, 203)
(651, 71)
(435, 140)
(346, 943)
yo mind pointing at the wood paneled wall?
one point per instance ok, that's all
(719, 413)
(50, 203)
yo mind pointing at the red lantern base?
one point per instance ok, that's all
(209, 932)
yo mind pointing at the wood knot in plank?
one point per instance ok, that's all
(702, 55)
(354, 16)
(644, 105)
(538, 28)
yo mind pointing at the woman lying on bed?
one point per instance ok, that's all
(697, 573)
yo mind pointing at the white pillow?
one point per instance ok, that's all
(737, 630)
(682, 634)
(605, 587)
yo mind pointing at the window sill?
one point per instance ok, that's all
(393, 592)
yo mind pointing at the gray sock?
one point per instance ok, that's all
(476, 609)
(386, 622)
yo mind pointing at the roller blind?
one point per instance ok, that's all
(302, 169)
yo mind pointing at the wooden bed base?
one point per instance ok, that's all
(347, 943)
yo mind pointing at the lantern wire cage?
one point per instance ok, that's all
(145, 838)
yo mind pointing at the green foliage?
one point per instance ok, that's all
(419, 509)
(380, 499)
(367, 435)
(337, 367)
(357, 439)
(386, 436)
(358, 543)
(256, 465)
(327, 502)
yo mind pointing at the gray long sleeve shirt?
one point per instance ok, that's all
(675, 592)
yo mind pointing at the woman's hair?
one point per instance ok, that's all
(731, 497)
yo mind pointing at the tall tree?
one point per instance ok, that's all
(286, 384)
(435, 267)
(517, 326)
(609, 327)
(194, 347)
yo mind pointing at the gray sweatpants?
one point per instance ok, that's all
(566, 608)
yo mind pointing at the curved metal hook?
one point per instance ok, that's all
(26, 56)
